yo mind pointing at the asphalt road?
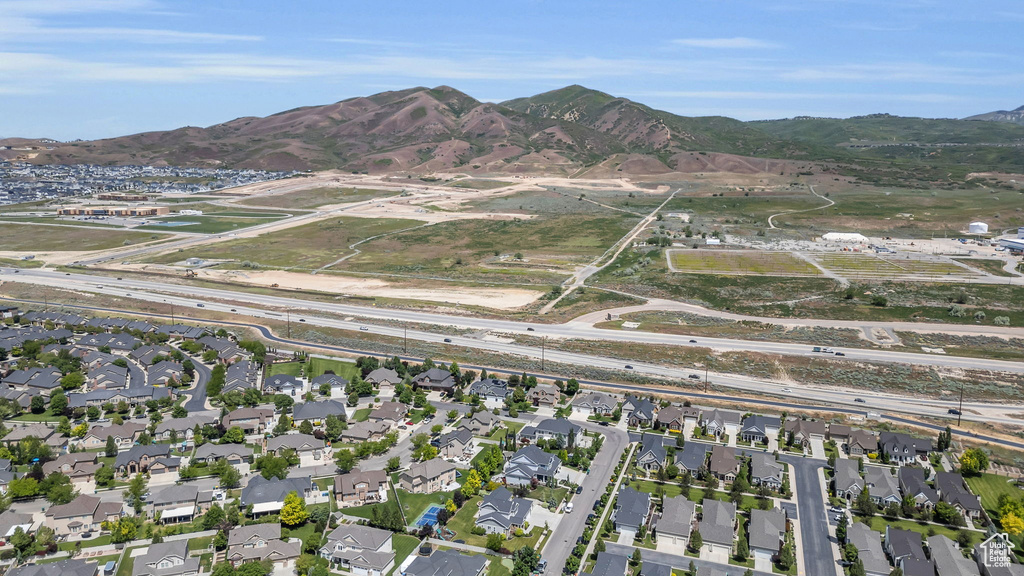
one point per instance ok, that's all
(829, 405)
(197, 394)
(677, 561)
(817, 550)
(570, 527)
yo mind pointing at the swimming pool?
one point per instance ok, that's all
(429, 516)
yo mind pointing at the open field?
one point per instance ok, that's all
(739, 262)
(207, 224)
(480, 184)
(864, 265)
(308, 246)
(992, 266)
(316, 197)
(318, 366)
(25, 237)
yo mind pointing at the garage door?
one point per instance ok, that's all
(626, 536)
(762, 561)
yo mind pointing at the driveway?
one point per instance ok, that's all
(762, 561)
(733, 431)
(719, 556)
(818, 449)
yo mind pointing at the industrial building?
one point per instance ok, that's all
(122, 211)
(977, 228)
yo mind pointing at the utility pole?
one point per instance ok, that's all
(960, 412)
(288, 317)
(405, 341)
(707, 368)
(543, 341)
(172, 313)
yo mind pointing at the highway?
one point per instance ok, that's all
(885, 403)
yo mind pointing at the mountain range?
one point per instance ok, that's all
(564, 131)
(1015, 116)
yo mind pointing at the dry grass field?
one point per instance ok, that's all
(732, 262)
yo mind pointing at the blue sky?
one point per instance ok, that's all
(96, 68)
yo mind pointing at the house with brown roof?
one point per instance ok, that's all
(83, 514)
(259, 542)
(81, 467)
(804, 431)
(393, 413)
(428, 477)
(250, 420)
(862, 443)
(124, 435)
(543, 395)
(723, 463)
(357, 487)
(365, 432)
(481, 423)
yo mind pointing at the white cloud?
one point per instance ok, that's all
(738, 42)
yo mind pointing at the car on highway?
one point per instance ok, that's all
(201, 305)
(629, 367)
(364, 328)
(67, 273)
(693, 341)
(953, 411)
(529, 329)
(568, 507)
(694, 376)
(861, 400)
(233, 310)
(302, 319)
(448, 340)
(787, 390)
(840, 354)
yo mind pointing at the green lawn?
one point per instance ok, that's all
(318, 366)
(127, 562)
(696, 494)
(211, 223)
(100, 561)
(361, 415)
(463, 522)
(543, 493)
(30, 417)
(989, 487)
(403, 545)
(878, 524)
(199, 543)
(414, 504)
(509, 426)
(99, 541)
(289, 368)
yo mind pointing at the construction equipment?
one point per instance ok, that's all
(275, 285)
(190, 273)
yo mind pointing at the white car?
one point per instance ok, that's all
(363, 328)
(787, 390)
(568, 507)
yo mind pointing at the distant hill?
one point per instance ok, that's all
(1013, 116)
(573, 130)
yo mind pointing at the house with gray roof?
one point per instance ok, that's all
(759, 429)
(718, 526)
(847, 481)
(11, 521)
(869, 549)
(952, 490)
(241, 375)
(594, 404)
(317, 412)
(435, 379)
(457, 444)
(559, 429)
(161, 373)
(531, 463)
(335, 385)
(543, 395)
(723, 463)
(434, 475)
(882, 486)
(766, 533)
(948, 559)
(903, 544)
(383, 377)
(903, 448)
(284, 384)
(178, 503)
(44, 380)
(861, 443)
(693, 457)
(166, 559)
(766, 471)
(481, 423)
(183, 427)
(804, 431)
(125, 435)
(390, 413)
(362, 550)
(447, 563)
(653, 569)
(491, 391)
(632, 511)
(609, 564)
(502, 513)
(138, 459)
(83, 514)
(72, 567)
(108, 377)
(366, 431)
(715, 421)
(357, 487)
(259, 542)
(302, 444)
(235, 454)
(131, 396)
(652, 454)
(676, 522)
(267, 496)
(250, 420)
(912, 484)
(674, 418)
(639, 412)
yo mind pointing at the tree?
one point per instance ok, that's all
(841, 528)
(92, 412)
(524, 561)
(133, 496)
(124, 529)
(306, 427)
(452, 415)
(234, 435)
(220, 541)
(857, 568)
(494, 542)
(272, 466)
(742, 550)
(72, 381)
(864, 504)
(57, 488)
(472, 484)
(394, 463)
(946, 514)
(786, 557)
(24, 487)
(1012, 523)
(179, 411)
(635, 559)
(230, 477)
(346, 460)
(696, 541)
(973, 461)
(105, 475)
(38, 404)
(334, 426)
(21, 541)
(58, 403)
(945, 439)
(294, 511)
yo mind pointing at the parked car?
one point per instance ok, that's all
(568, 507)
(579, 489)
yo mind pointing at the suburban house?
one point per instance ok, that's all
(435, 379)
(632, 511)
(447, 563)
(652, 454)
(718, 526)
(107, 377)
(912, 484)
(639, 412)
(716, 421)
(259, 542)
(531, 463)
(847, 481)
(10, 521)
(250, 420)
(869, 549)
(72, 567)
(48, 435)
(952, 491)
(124, 435)
(766, 533)
(267, 496)
(676, 522)
(804, 431)
(241, 376)
(44, 380)
(902, 545)
(882, 486)
(366, 431)
(544, 395)
(284, 384)
(391, 413)
(384, 379)
(227, 350)
(83, 514)
(434, 475)
(491, 391)
(840, 434)
(861, 443)
(674, 418)
(362, 550)
(948, 559)
(235, 454)
(692, 457)
(184, 428)
(723, 463)
(759, 429)
(457, 444)
(179, 503)
(765, 471)
(610, 565)
(357, 488)
(559, 429)
(162, 373)
(317, 412)
(902, 448)
(301, 443)
(594, 404)
(481, 423)
(141, 458)
(166, 559)
(135, 396)
(335, 384)
(146, 353)
(502, 513)
(79, 466)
